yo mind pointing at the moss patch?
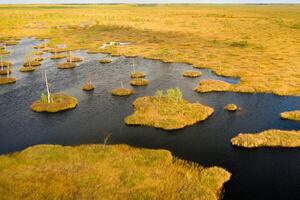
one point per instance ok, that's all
(268, 138)
(67, 65)
(7, 80)
(139, 82)
(167, 111)
(291, 115)
(122, 92)
(191, 74)
(59, 102)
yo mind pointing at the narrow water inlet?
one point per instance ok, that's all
(257, 174)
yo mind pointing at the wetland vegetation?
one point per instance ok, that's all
(268, 138)
(291, 115)
(168, 111)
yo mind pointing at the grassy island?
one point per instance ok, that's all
(34, 63)
(67, 65)
(231, 107)
(122, 91)
(106, 172)
(7, 80)
(74, 59)
(191, 74)
(139, 82)
(105, 60)
(292, 115)
(268, 138)
(5, 64)
(39, 59)
(5, 71)
(210, 85)
(137, 74)
(27, 69)
(167, 111)
(88, 87)
(58, 56)
(4, 52)
(58, 102)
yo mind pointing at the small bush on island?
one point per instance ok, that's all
(291, 115)
(67, 65)
(231, 107)
(88, 86)
(53, 102)
(105, 60)
(268, 138)
(139, 82)
(191, 74)
(94, 171)
(168, 111)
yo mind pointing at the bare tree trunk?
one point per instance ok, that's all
(122, 84)
(47, 86)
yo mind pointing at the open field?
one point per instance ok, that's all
(258, 43)
(105, 172)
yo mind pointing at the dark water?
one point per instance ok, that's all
(257, 174)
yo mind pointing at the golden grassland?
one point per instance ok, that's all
(231, 107)
(268, 138)
(168, 111)
(111, 172)
(191, 74)
(122, 92)
(7, 80)
(59, 102)
(258, 43)
(292, 115)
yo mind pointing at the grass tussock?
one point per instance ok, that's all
(105, 172)
(191, 74)
(139, 82)
(88, 87)
(39, 59)
(34, 63)
(58, 56)
(66, 65)
(268, 138)
(137, 74)
(210, 85)
(291, 115)
(231, 107)
(74, 59)
(5, 64)
(59, 102)
(27, 69)
(168, 111)
(122, 92)
(11, 43)
(4, 52)
(7, 80)
(105, 61)
(5, 71)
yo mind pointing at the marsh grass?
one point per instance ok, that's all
(58, 56)
(137, 74)
(231, 107)
(7, 80)
(139, 82)
(66, 65)
(168, 111)
(59, 102)
(88, 87)
(105, 172)
(191, 74)
(105, 60)
(291, 115)
(122, 91)
(268, 138)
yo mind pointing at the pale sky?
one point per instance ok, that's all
(146, 1)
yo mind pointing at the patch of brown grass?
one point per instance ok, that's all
(66, 65)
(122, 92)
(291, 115)
(7, 80)
(139, 82)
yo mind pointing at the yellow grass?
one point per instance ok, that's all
(27, 69)
(5, 64)
(139, 82)
(67, 65)
(231, 107)
(58, 56)
(33, 63)
(268, 138)
(122, 92)
(88, 87)
(111, 172)
(4, 72)
(292, 115)
(167, 111)
(256, 43)
(191, 74)
(105, 60)
(7, 80)
(210, 85)
(59, 102)
(137, 74)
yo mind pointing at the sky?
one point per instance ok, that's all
(145, 1)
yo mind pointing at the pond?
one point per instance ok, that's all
(264, 173)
